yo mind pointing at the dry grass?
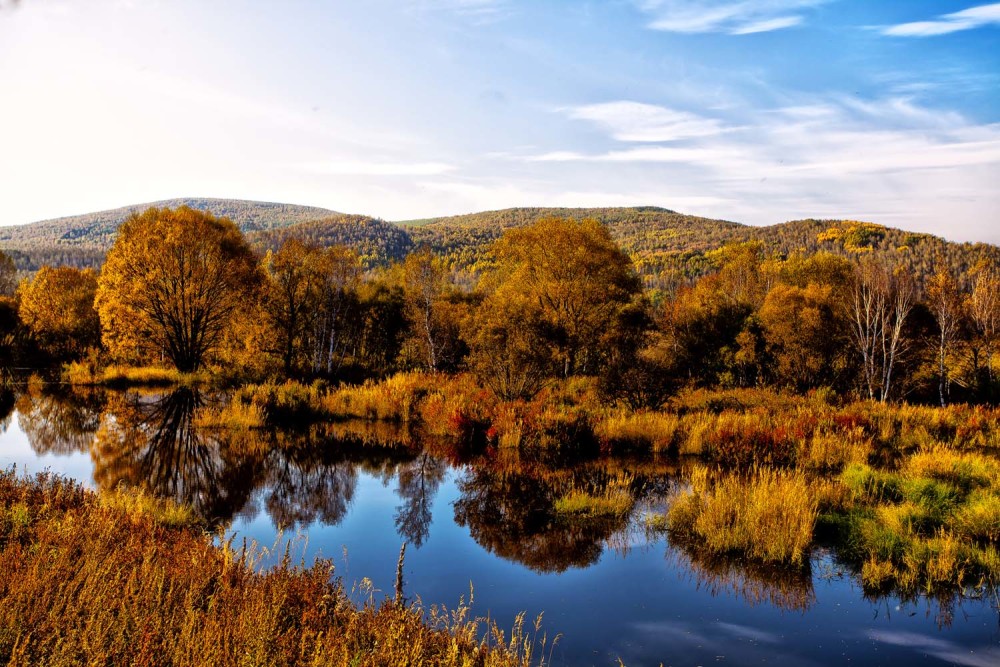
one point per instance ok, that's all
(614, 500)
(768, 516)
(88, 581)
(84, 373)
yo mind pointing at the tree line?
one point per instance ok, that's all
(560, 298)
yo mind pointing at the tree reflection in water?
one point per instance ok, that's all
(152, 443)
(308, 482)
(7, 401)
(510, 512)
(787, 588)
(61, 422)
(419, 481)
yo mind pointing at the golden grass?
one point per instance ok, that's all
(84, 373)
(89, 581)
(652, 431)
(614, 500)
(768, 516)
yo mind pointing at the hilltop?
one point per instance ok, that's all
(82, 240)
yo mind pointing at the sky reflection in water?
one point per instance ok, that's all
(354, 492)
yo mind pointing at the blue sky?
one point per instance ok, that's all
(758, 111)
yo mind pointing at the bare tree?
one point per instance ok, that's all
(944, 297)
(881, 300)
(983, 306)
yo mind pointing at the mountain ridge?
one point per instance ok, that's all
(658, 239)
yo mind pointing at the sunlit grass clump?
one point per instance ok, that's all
(614, 500)
(84, 373)
(932, 523)
(768, 515)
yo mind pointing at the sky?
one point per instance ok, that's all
(757, 111)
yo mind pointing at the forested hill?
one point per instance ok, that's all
(376, 241)
(664, 241)
(646, 232)
(82, 240)
(661, 242)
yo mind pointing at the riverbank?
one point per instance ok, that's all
(124, 579)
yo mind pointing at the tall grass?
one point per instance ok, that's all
(768, 515)
(90, 581)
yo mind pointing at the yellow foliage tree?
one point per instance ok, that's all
(57, 307)
(572, 280)
(172, 284)
(305, 300)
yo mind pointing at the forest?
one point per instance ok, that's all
(856, 309)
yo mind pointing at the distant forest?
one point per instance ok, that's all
(666, 247)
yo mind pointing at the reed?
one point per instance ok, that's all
(768, 515)
(614, 500)
(94, 581)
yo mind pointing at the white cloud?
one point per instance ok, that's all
(967, 19)
(948, 651)
(767, 25)
(478, 10)
(635, 121)
(736, 17)
(890, 160)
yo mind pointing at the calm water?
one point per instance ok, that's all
(355, 492)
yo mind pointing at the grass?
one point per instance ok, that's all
(83, 374)
(614, 500)
(768, 516)
(123, 580)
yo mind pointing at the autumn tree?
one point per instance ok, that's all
(571, 281)
(8, 275)
(172, 284)
(801, 329)
(945, 300)
(983, 306)
(803, 320)
(431, 311)
(306, 296)
(57, 308)
(880, 301)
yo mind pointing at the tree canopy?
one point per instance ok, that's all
(171, 285)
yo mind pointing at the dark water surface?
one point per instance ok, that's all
(355, 492)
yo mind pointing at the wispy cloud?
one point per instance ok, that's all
(840, 136)
(478, 10)
(888, 159)
(967, 19)
(983, 656)
(736, 17)
(366, 168)
(635, 121)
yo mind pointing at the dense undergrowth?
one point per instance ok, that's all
(123, 579)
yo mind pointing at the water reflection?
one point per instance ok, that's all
(307, 482)
(151, 442)
(60, 422)
(786, 588)
(419, 481)
(310, 476)
(510, 511)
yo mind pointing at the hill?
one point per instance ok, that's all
(646, 232)
(664, 244)
(662, 241)
(82, 240)
(377, 242)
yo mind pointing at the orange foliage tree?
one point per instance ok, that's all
(57, 307)
(172, 284)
